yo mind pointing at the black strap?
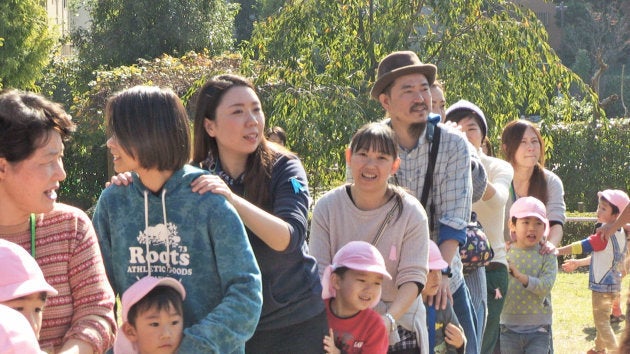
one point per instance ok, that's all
(428, 178)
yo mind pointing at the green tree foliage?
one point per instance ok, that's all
(123, 31)
(26, 43)
(86, 158)
(318, 58)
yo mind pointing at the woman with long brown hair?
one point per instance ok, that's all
(524, 148)
(267, 186)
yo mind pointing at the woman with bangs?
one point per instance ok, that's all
(524, 148)
(267, 186)
(372, 210)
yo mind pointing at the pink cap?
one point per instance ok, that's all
(16, 334)
(435, 257)
(144, 286)
(355, 255)
(615, 197)
(20, 274)
(131, 296)
(530, 206)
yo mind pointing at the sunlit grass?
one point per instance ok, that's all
(573, 328)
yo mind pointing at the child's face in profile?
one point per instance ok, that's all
(122, 160)
(604, 212)
(434, 278)
(356, 290)
(156, 331)
(529, 231)
(32, 307)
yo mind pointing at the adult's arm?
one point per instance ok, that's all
(283, 229)
(478, 174)
(406, 295)
(234, 319)
(93, 324)
(319, 238)
(556, 209)
(455, 188)
(498, 187)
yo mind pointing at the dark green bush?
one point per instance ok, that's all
(590, 158)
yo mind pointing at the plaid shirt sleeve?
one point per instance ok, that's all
(452, 184)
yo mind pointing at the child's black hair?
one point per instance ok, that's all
(161, 297)
(341, 271)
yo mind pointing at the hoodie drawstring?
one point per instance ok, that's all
(167, 241)
(146, 226)
(147, 242)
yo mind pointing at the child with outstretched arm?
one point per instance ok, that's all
(606, 266)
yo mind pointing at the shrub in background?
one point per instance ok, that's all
(589, 158)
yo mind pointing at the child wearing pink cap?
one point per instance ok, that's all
(16, 335)
(446, 335)
(152, 314)
(22, 285)
(606, 266)
(352, 285)
(527, 329)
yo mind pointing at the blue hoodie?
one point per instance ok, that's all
(197, 239)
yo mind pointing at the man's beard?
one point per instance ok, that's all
(416, 129)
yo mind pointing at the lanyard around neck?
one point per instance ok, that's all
(32, 220)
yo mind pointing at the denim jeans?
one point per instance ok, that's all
(525, 343)
(462, 305)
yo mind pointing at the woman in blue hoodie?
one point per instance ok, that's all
(267, 186)
(157, 226)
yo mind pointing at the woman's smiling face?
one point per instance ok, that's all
(240, 122)
(30, 186)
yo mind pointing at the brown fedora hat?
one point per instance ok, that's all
(398, 64)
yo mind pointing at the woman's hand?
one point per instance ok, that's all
(121, 179)
(454, 335)
(548, 248)
(329, 343)
(214, 184)
(440, 300)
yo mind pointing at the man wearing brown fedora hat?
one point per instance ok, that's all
(403, 90)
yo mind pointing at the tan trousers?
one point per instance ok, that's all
(602, 308)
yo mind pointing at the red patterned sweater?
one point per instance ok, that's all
(68, 253)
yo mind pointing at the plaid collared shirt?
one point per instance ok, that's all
(451, 192)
